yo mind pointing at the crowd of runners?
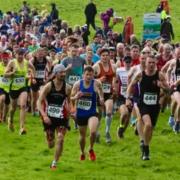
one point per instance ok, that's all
(47, 70)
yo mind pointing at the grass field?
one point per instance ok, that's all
(28, 158)
(72, 11)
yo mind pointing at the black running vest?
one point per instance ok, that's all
(149, 90)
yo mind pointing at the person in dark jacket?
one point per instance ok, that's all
(167, 29)
(54, 12)
(90, 13)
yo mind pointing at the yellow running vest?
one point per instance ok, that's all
(4, 82)
(19, 79)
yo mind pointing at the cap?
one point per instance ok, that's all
(58, 68)
(20, 51)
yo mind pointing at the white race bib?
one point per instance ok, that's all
(20, 81)
(55, 112)
(150, 99)
(72, 79)
(4, 81)
(40, 74)
(84, 104)
(178, 77)
(106, 87)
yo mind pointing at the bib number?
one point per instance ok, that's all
(106, 87)
(73, 79)
(178, 78)
(84, 104)
(19, 81)
(40, 74)
(150, 99)
(4, 81)
(55, 112)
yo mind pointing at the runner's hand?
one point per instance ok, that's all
(101, 101)
(79, 95)
(103, 79)
(47, 120)
(129, 103)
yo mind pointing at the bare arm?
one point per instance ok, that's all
(98, 89)
(10, 70)
(163, 83)
(42, 97)
(137, 79)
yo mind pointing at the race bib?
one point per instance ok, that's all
(106, 87)
(40, 74)
(84, 104)
(150, 99)
(20, 81)
(178, 78)
(55, 112)
(72, 79)
(4, 81)
(123, 89)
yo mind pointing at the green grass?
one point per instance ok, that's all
(27, 157)
(72, 11)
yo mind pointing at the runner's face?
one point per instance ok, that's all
(74, 51)
(61, 75)
(135, 52)
(19, 57)
(105, 57)
(150, 64)
(88, 76)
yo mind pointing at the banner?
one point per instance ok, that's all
(152, 25)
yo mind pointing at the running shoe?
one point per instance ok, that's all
(92, 155)
(176, 127)
(108, 137)
(146, 153)
(120, 132)
(53, 166)
(82, 157)
(171, 121)
(22, 131)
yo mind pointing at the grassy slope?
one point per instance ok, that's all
(28, 157)
(72, 10)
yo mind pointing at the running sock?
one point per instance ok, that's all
(108, 120)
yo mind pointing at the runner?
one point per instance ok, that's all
(150, 82)
(84, 93)
(105, 73)
(17, 69)
(4, 87)
(52, 104)
(174, 81)
(40, 63)
(122, 79)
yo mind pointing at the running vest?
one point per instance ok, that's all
(20, 77)
(56, 102)
(4, 82)
(86, 105)
(123, 77)
(107, 86)
(40, 69)
(177, 73)
(149, 91)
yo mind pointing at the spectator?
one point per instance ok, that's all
(128, 30)
(167, 29)
(90, 13)
(54, 12)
